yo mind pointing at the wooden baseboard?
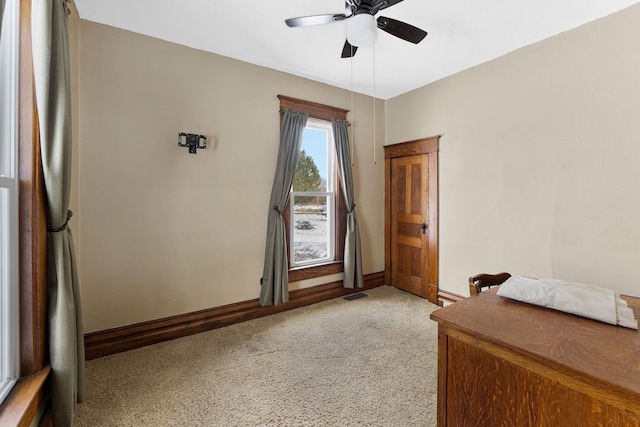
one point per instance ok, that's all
(111, 341)
(449, 297)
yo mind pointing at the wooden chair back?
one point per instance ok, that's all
(480, 282)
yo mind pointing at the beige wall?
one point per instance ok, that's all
(539, 158)
(164, 232)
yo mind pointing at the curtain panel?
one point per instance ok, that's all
(50, 42)
(275, 280)
(1, 14)
(353, 277)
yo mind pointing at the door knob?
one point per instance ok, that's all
(423, 227)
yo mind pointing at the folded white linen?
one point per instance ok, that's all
(583, 300)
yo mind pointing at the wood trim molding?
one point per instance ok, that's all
(28, 401)
(303, 273)
(111, 341)
(433, 231)
(448, 297)
(32, 214)
(315, 110)
(28, 395)
(410, 148)
(387, 222)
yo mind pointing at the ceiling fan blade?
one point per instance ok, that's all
(348, 51)
(305, 21)
(383, 4)
(401, 29)
(350, 6)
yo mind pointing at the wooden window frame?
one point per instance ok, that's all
(31, 392)
(326, 113)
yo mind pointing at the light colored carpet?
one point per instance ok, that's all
(367, 362)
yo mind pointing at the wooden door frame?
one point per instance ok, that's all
(429, 146)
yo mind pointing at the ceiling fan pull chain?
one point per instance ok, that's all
(374, 104)
(353, 132)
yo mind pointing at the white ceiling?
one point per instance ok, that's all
(462, 34)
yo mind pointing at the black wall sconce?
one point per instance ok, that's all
(193, 141)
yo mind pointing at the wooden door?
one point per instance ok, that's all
(412, 221)
(409, 227)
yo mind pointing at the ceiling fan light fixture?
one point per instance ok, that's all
(361, 30)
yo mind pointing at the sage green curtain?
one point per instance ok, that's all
(50, 42)
(1, 14)
(352, 250)
(275, 280)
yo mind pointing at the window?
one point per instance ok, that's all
(312, 200)
(320, 243)
(9, 326)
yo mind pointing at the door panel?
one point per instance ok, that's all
(409, 210)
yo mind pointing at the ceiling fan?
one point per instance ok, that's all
(361, 25)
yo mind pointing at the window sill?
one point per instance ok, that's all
(21, 405)
(311, 272)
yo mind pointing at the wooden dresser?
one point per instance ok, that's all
(505, 363)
